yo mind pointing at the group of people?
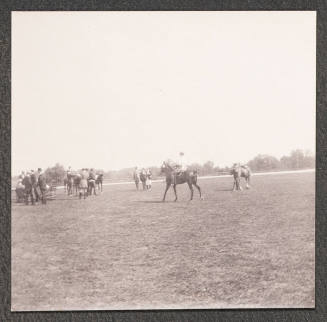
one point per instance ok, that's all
(84, 182)
(32, 187)
(145, 176)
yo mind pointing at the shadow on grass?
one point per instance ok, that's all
(154, 201)
(69, 198)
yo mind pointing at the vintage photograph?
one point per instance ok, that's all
(163, 160)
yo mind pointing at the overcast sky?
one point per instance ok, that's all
(118, 89)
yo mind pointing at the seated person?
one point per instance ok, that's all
(20, 190)
(180, 165)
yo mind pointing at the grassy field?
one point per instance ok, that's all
(124, 249)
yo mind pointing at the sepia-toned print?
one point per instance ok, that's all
(163, 160)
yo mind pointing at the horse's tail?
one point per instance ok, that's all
(249, 175)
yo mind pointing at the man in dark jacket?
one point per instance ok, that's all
(42, 185)
(91, 182)
(28, 189)
(34, 181)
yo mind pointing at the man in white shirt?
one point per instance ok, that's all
(181, 163)
(180, 166)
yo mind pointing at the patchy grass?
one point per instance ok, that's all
(126, 250)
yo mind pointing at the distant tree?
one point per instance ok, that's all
(208, 168)
(264, 162)
(309, 159)
(286, 162)
(297, 159)
(300, 160)
(56, 173)
(196, 166)
(217, 169)
(155, 172)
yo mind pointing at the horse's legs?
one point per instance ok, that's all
(199, 189)
(191, 188)
(248, 182)
(167, 187)
(239, 184)
(174, 186)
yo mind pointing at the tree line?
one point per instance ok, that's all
(298, 159)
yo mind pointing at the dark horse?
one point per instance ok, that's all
(98, 181)
(77, 181)
(189, 177)
(70, 184)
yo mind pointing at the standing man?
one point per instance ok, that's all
(83, 184)
(28, 189)
(34, 181)
(136, 177)
(91, 182)
(148, 181)
(43, 185)
(22, 175)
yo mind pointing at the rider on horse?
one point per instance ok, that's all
(180, 166)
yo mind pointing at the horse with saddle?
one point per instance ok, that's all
(176, 175)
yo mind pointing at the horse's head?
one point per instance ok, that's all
(165, 167)
(234, 168)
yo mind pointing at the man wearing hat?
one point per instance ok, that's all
(180, 166)
(42, 185)
(28, 188)
(34, 185)
(91, 182)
